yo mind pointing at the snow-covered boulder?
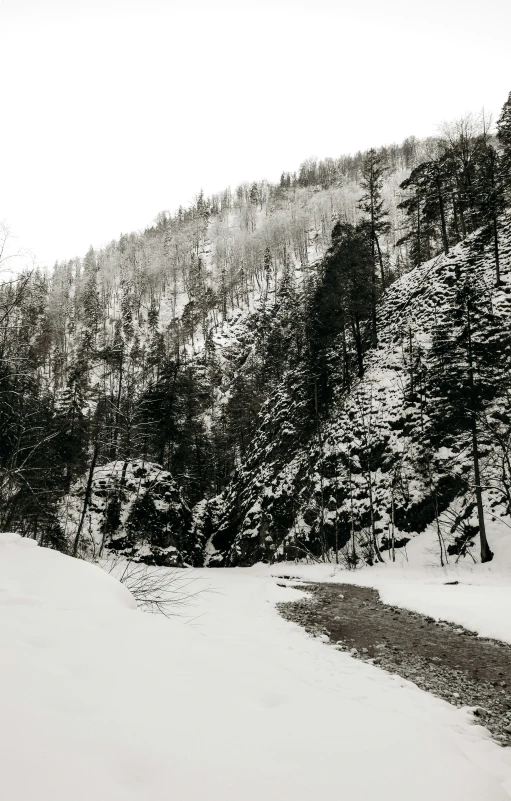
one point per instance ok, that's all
(136, 510)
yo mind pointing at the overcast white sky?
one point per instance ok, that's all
(112, 111)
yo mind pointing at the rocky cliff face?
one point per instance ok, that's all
(394, 453)
(135, 510)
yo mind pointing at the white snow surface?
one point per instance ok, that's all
(102, 701)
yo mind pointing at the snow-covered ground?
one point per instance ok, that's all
(102, 701)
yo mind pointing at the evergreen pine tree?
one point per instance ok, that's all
(490, 193)
(341, 302)
(504, 139)
(372, 204)
(153, 315)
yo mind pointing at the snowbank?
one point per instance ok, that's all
(40, 577)
(104, 702)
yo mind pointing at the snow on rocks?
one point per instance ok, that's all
(136, 509)
(106, 702)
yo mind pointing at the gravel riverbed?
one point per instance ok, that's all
(438, 656)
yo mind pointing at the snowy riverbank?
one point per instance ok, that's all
(475, 596)
(103, 701)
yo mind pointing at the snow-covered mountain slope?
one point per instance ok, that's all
(395, 453)
(102, 701)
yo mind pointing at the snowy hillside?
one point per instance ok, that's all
(389, 461)
(120, 708)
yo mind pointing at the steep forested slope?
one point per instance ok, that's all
(283, 370)
(395, 451)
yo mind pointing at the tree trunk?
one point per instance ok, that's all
(374, 538)
(393, 535)
(345, 365)
(380, 259)
(486, 553)
(324, 546)
(358, 345)
(374, 327)
(439, 532)
(86, 499)
(442, 217)
(419, 254)
(352, 517)
(455, 217)
(496, 250)
(412, 382)
(117, 411)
